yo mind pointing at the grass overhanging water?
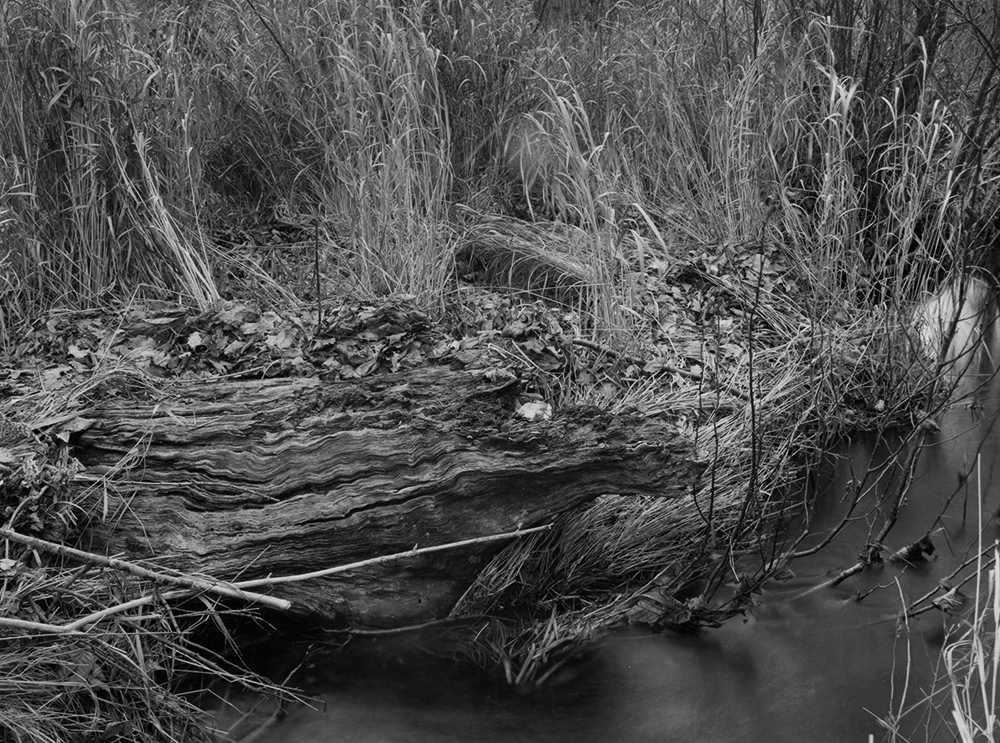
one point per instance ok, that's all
(740, 211)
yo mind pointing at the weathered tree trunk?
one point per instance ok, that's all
(246, 479)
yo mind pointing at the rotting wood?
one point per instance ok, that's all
(242, 480)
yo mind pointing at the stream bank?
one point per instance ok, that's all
(810, 662)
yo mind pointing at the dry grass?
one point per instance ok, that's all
(88, 652)
(972, 663)
(89, 191)
(545, 261)
(114, 679)
(962, 697)
(676, 135)
(770, 419)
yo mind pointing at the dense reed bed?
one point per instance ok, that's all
(735, 212)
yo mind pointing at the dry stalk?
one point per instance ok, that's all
(217, 588)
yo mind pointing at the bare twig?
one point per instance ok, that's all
(387, 558)
(77, 625)
(42, 627)
(446, 621)
(872, 552)
(199, 584)
(945, 583)
(319, 283)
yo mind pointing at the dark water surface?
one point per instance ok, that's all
(811, 664)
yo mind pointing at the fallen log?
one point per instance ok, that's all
(240, 480)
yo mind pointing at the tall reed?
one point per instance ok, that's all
(972, 663)
(805, 178)
(89, 190)
(360, 89)
(779, 153)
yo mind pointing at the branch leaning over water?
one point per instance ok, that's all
(872, 551)
(945, 583)
(386, 558)
(233, 590)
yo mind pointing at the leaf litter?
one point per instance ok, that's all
(704, 322)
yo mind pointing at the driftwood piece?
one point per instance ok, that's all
(245, 479)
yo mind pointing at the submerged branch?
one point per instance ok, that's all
(872, 552)
(945, 583)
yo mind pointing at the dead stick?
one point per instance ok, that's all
(407, 628)
(847, 573)
(74, 626)
(210, 586)
(42, 627)
(945, 583)
(386, 558)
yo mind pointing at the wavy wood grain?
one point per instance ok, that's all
(242, 479)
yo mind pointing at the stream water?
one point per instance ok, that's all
(811, 663)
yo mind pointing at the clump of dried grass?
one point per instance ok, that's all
(103, 682)
(972, 663)
(118, 676)
(771, 418)
(87, 652)
(530, 654)
(92, 189)
(540, 260)
(345, 121)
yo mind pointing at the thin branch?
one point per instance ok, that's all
(42, 627)
(227, 589)
(77, 625)
(945, 583)
(446, 621)
(872, 552)
(386, 558)
(218, 588)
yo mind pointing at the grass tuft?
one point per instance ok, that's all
(744, 212)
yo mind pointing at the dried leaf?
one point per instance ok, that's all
(535, 411)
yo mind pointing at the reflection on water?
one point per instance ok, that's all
(810, 664)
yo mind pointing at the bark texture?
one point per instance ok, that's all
(246, 479)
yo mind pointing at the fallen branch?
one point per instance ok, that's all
(228, 589)
(913, 551)
(44, 628)
(386, 558)
(198, 584)
(945, 583)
